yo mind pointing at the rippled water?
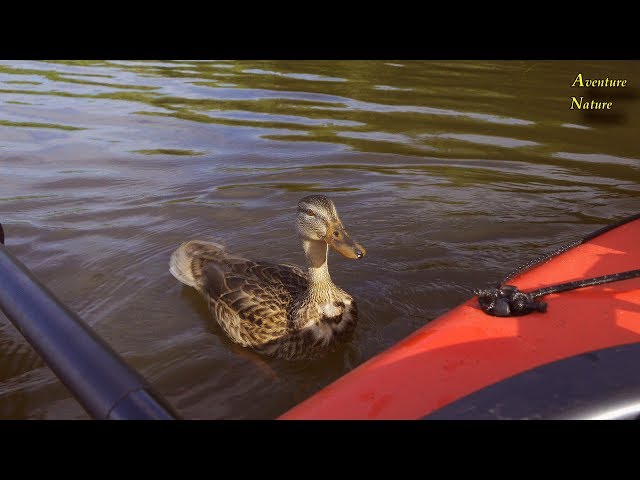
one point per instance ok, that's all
(449, 173)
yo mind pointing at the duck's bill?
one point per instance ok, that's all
(344, 245)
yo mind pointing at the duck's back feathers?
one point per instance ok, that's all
(250, 299)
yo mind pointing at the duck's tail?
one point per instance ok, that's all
(182, 265)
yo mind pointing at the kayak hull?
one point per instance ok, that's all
(466, 350)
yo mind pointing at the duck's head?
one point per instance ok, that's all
(318, 220)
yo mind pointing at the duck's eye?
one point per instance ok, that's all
(310, 213)
(336, 234)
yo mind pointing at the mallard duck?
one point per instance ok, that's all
(279, 310)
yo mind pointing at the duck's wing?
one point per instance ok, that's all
(246, 294)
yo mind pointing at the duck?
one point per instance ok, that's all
(277, 309)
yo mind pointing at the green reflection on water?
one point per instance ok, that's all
(24, 197)
(59, 76)
(368, 106)
(291, 187)
(168, 151)
(7, 123)
(181, 200)
(22, 82)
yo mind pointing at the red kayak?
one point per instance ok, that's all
(466, 350)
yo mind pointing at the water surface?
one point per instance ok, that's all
(450, 173)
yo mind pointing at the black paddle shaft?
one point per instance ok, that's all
(97, 376)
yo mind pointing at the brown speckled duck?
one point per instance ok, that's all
(278, 309)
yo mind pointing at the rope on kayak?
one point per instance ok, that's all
(564, 248)
(563, 287)
(508, 301)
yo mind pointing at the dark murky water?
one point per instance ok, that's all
(449, 173)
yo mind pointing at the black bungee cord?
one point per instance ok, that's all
(508, 301)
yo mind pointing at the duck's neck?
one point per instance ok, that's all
(320, 283)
